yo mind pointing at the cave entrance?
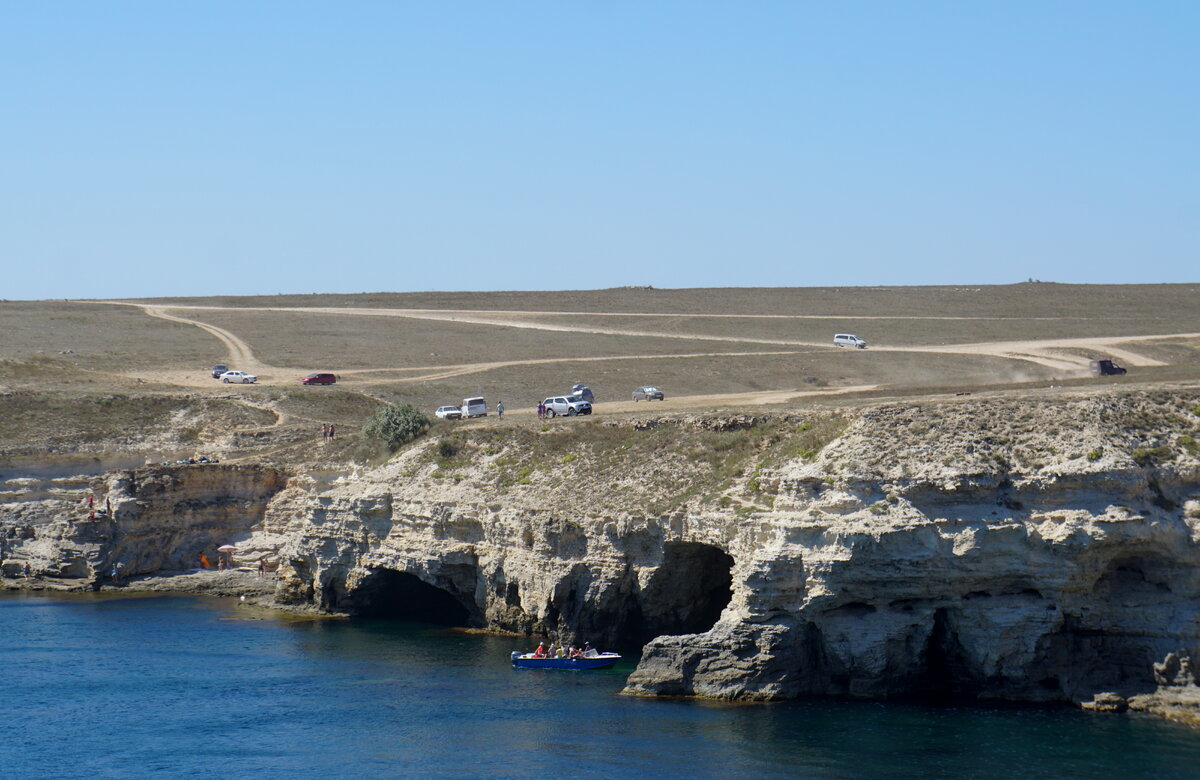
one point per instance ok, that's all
(398, 595)
(687, 593)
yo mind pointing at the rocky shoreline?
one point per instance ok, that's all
(1033, 550)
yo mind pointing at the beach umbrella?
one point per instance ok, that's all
(226, 548)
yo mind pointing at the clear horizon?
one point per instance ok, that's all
(187, 150)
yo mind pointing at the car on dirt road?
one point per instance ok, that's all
(448, 413)
(849, 340)
(583, 392)
(648, 393)
(238, 377)
(1106, 368)
(218, 369)
(319, 379)
(566, 406)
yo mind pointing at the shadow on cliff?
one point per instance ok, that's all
(685, 595)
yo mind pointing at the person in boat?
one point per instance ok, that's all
(541, 650)
(558, 652)
(576, 652)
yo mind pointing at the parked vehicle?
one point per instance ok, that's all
(566, 405)
(218, 369)
(238, 376)
(448, 413)
(319, 379)
(583, 392)
(648, 393)
(1106, 368)
(849, 340)
(474, 407)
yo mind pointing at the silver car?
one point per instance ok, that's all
(449, 413)
(567, 405)
(648, 393)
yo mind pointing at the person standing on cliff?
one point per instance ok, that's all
(28, 572)
(324, 432)
(91, 500)
(500, 409)
(332, 429)
(262, 566)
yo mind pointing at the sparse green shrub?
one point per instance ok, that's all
(568, 458)
(1095, 454)
(1189, 444)
(396, 425)
(448, 447)
(1148, 456)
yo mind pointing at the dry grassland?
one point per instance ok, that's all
(59, 360)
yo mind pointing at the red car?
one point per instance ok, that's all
(318, 379)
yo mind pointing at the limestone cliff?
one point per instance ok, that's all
(1042, 549)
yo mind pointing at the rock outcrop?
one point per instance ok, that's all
(1034, 550)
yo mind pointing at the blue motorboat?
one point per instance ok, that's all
(593, 660)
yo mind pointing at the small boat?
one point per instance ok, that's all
(593, 661)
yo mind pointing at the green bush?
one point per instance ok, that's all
(396, 425)
(1146, 456)
(1095, 454)
(448, 447)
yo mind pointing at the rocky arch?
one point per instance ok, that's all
(401, 595)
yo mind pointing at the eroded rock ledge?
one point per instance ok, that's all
(1036, 550)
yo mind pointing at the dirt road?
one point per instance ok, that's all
(1051, 353)
(1060, 355)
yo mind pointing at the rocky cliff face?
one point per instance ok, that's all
(147, 519)
(1040, 550)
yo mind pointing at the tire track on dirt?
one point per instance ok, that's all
(239, 352)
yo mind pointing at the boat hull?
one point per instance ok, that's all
(602, 661)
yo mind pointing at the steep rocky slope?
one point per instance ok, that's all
(1042, 549)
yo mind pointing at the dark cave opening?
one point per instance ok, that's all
(947, 674)
(686, 595)
(398, 595)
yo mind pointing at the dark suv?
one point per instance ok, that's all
(1106, 368)
(318, 379)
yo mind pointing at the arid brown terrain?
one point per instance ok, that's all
(705, 348)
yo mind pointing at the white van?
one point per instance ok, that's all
(849, 340)
(474, 407)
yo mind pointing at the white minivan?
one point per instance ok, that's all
(849, 340)
(474, 407)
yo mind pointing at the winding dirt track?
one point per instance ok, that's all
(1056, 354)
(1044, 352)
(240, 353)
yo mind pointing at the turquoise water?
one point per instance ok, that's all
(170, 687)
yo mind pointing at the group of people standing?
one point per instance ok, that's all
(328, 430)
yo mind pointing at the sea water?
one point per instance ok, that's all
(97, 686)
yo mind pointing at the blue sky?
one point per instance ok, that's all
(151, 148)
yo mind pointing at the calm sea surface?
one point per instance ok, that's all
(140, 687)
